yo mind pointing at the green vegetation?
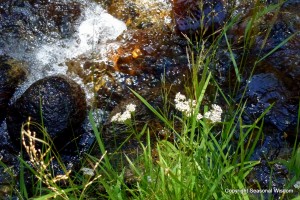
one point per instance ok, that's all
(200, 160)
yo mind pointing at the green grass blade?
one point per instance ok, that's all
(98, 138)
(162, 118)
(236, 70)
(277, 47)
(55, 194)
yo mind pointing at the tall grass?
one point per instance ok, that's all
(201, 154)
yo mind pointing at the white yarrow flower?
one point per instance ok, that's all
(199, 117)
(184, 105)
(187, 107)
(207, 114)
(179, 97)
(126, 115)
(217, 108)
(214, 115)
(131, 108)
(116, 117)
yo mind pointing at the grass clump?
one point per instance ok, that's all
(51, 177)
(202, 161)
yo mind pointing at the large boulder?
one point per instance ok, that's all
(56, 101)
(11, 75)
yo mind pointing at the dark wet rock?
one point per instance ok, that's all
(12, 74)
(63, 106)
(269, 149)
(269, 174)
(113, 92)
(266, 176)
(285, 61)
(275, 79)
(193, 18)
(264, 90)
(33, 19)
(286, 24)
(268, 31)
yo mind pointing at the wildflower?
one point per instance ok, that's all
(116, 117)
(214, 115)
(183, 105)
(297, 185)
(87, 171)
(126, 115)
(217, 108)
(179, 97)
(187, 106)
(199, 117)
(131, 108)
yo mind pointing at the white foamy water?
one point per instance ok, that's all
(96, 31)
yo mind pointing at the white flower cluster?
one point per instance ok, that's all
(122, 117)
(215, 114)
(187, 106)
(184, 105)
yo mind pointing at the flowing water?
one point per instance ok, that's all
(49, 37)
(94, 31)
